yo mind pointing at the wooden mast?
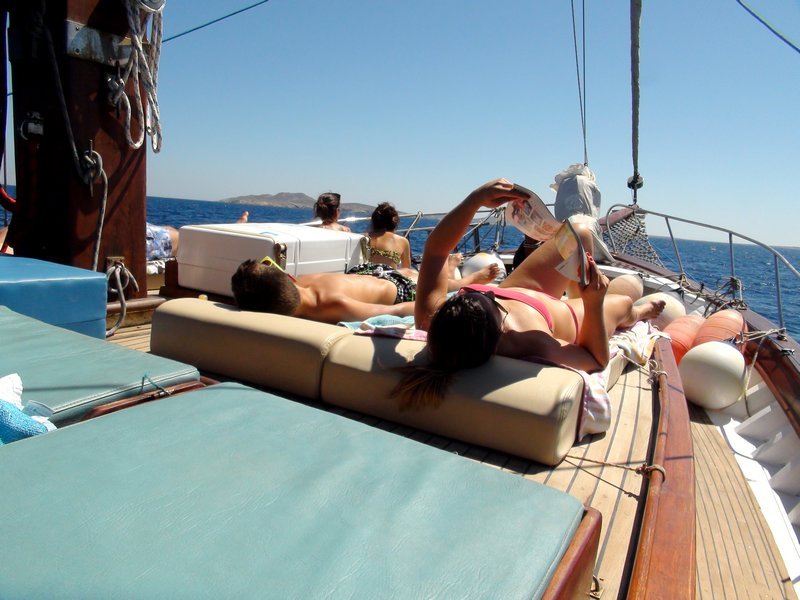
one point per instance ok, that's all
(62, 53)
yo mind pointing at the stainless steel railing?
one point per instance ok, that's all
(778, 258)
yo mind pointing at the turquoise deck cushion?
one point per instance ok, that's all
(64, 374)
(61, 295)
(229, 492)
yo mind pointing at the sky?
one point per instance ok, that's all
(418, 102)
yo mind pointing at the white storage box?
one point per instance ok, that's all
(208, 255)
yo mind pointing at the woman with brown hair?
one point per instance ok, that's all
(384, 248)
(326, 209)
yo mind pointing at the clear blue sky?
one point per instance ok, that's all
(418, 102)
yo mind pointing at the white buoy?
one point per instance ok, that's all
(672, 310)
(481, 260)
(713, 375)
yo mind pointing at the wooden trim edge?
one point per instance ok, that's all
(665, 564)
(104, 409)
(573, 576)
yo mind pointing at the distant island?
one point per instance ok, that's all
(293, 200)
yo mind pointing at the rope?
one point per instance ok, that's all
(161, 388)
(635, 182)
(119, 272)
(89, 167)
(63, 106)
(94, 165)
(142, 64)
(641, 469)
(581, 80)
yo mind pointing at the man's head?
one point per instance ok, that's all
(264, 288)
(465, 331)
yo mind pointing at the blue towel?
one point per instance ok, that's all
(380, 321)
(16, 425)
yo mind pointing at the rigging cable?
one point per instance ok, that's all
(774, 31)
(581, 78)
(635, 181)
(222, 18)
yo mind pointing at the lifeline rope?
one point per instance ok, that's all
(644, 470)
(141, 64)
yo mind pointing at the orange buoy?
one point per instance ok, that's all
(683, 331)
(722, 325)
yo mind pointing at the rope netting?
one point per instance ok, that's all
(628, 235)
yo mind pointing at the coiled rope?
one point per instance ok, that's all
(143, 67)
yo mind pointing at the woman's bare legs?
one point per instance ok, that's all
(620, 311)
(538, 270)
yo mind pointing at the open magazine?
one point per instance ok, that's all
(534, 219)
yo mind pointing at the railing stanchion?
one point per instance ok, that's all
(675, 247)
(778, 292)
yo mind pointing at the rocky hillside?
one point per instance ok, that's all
(293, 200)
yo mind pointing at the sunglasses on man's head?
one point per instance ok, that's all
(267, 260)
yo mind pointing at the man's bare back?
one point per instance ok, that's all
(365, 288)
(335, 297)
(263, 286)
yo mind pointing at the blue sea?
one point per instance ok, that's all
(702, 261)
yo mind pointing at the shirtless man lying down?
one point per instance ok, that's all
(327, 297)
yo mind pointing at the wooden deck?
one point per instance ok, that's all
(736, 556)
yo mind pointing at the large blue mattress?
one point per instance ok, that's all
(65, 374)
(61, 295)
(228, 492)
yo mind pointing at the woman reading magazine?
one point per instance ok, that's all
(523, 317)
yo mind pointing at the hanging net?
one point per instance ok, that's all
(624, 232)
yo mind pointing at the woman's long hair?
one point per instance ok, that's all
(463, 334)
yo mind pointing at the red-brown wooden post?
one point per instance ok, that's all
(58, 213)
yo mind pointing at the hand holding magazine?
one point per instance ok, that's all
(534, 219)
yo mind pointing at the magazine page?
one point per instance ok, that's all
(531, 216)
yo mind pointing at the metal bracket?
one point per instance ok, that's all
(98, 46)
